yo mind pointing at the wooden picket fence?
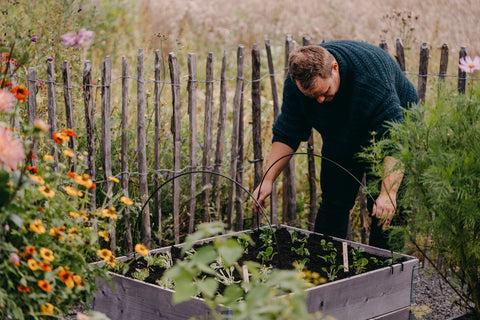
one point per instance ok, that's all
(236, 195)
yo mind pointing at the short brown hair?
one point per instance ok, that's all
(308, 62)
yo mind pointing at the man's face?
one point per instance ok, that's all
(323, 90)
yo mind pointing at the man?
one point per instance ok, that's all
(347, 91)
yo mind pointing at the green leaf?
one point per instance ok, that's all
(208, 287)
(184, 290)
(16, 219)
(231, 294)
(230, 252)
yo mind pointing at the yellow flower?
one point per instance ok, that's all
(110, 213)
(111, 261)
(104, 235)
(74, 215)
(140, 248)
(71, 191)
(46, 308)
(48, 157)
(37, 227)
(32, 264)
(84, 216)
(37, 179)
(77, 279)
(126, 201)
(47, 254)
(80, 193)
(104, 253)
(72, 232)
(114, 179)
(84, 180)
(68, 153)
(46, 191)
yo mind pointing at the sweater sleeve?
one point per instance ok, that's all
(291, 126)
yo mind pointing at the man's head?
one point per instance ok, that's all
(315, 71)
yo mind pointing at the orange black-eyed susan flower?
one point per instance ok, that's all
(44, 285)
(20, 92)
(110, 213)
(23, 288)
(126, 201)
(30, 250)
(111, 261)
(44, 266)
(77, 279)
(71, 191)
(32, 169)
(84, 180)
(69, 132)
(46, 308)
(140, 248)
(48, 157)
(104, 234)
(32, 264)
(36, 226)
(71, 174)
(60, 137)
(47, 254)
(37, 179)
(68, 153)
(104, 253)
(114, 179)
(46, 191)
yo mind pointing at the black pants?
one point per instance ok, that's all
(339, 191)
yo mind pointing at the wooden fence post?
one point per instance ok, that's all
(400, 56)
(423, 71)
(289, 213)
(14, 120)
(207, 137)
(256, 123)
(32, 109)
(383, 44)
(177, 142)
(67, 94)
(237, 100)
(312, 177)
(158, 140)
(240, 167)
(276, 111)
(52, 111)
(90, 128)
(107, 143)
(443, 61)
(124, 155)
(142, 152)
(462, 75)
(192, 116)
(222, 117)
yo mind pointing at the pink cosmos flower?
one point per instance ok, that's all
(468, 65)
(14, 259)
(11, 150)
(7, 101)
(77, 40)
(41, 125)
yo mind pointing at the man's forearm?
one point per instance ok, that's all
(276, 163)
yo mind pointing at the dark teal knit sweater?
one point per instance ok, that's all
(373, 90)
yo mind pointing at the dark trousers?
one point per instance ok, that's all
(339, 191)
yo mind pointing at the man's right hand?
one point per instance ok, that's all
(262, 194)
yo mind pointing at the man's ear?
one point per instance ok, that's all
(335, 65)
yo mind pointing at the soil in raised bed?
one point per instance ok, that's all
(285, 257)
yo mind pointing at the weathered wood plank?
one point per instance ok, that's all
(142, 152)
(52, 111)
(221, 124)
(237, 100)
(256, 122)
(177, 142)
(443, 61)
(67, 95)
(423, 71)
(383, 45)
(240, 168)
(158, 139)
(207, 137)
(276, 111)
(106, 143)
(124, 155)
(90, 127)
(32, 109)
(462, 75)
(192, 120)
(400, 56)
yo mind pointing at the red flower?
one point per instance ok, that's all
(22, 288)
(20, 92)
(32, 169)
(69, 132)
(71, 174)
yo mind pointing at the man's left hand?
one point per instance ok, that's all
(384, 209)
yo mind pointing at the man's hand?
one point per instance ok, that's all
(384, 209)
(261, 195)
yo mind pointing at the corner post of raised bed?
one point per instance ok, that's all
(289, 214)
(90, 127)
(67, 94)
(222, 117)
(52, 111)
(462, 75)
(207, 137)
(237, 101)
(158, 139)
(32, 108)
(312, 178)
(276, 111)
(423, 71)
(256, 121)
(124, 154)
(176, 129)
(142, 152)
(106, 142)
(192, 120)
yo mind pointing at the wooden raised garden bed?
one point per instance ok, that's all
(380, 292)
